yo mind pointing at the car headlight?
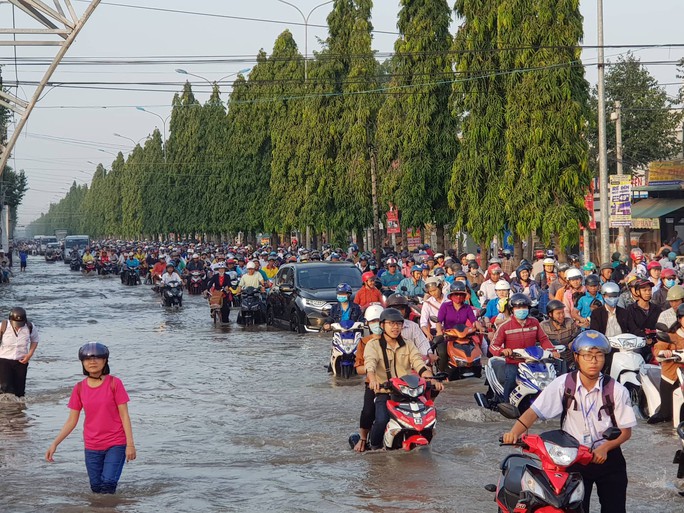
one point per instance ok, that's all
(530, 484)
(578, 494)
(561, 456)
(411, 392)
(315, 303)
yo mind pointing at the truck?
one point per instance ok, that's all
(74, 241)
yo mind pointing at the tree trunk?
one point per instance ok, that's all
(359, 239)
(404, 238)
(440, 238)
(517, 249)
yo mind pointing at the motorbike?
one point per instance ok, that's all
(130, 275)
(536, 370)
(251, 311)
(679, 455)
(412, 412)
(75, 264)
(172, 294)
(196, 283)
(538, 479)
(464, 351)
(106, 268)
(215, 298)
(649, 396)
(89, 268)
(346, 338)
(627, 362)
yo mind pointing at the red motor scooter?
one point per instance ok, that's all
(542, 484)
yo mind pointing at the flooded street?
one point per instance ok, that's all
(234, 419)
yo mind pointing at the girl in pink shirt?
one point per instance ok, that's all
(107, 429)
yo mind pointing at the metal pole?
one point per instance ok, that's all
(622, 233)
(141, 109)
(377, 243)
(603, 154)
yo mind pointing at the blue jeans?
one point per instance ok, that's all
(377, 433)
(104, 468)
(509, 383)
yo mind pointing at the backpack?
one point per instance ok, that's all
(3, 328)
(607, 391)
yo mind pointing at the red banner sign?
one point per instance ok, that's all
(393, 222)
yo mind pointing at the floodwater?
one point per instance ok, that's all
(234, 419)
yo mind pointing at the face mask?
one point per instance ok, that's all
(375, 328)
(342, 298)
(521, 314)
(611, 301)
(458, 299)
(669, 283)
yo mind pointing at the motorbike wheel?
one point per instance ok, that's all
(346, 371)
(477, 371)
(270, 317)
(633, 393)
(642, 404)
(216, 314)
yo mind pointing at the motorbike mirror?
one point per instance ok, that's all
(441, 376)
(490, 487)
(680, 430)
(612, 433)
(285, 288)
(509, 411)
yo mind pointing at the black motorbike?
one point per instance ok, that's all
(75, 264)
(251, 307)
(106, 268)
(131, 275)
(196, 282)
(172, 294)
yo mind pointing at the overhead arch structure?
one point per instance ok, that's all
(56, 26)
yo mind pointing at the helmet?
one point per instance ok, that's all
(432, 281)
(591, 339)
(391, 261)
(352, 247)
(573, 273)
(17, 316)
(506, 251)
(610, 288)
(606, 266)
(494, 268)
(368, 275)
(550, 253)
(675, 293)
(563, 267)
(672, 256)
(549, 261)
(653, 265)
(461, 274)
(364, 257)
(668, 272)
(391, 314)
(458, 287)
(439, 255)
(615, 256)
(470, 257)
(93, 350)
(416, 268)
(170, 264)
(334, 256)
(519, 300)
(539, 254)
(396, 300)
(521, 269)
(373, 312)
(680, 311)
(592, 279)
(554, 305)
(502, 285)
(642, 284)
(473, 265)
(589, 266)
(573, 258)
(251, 265)
(636, 253)
(344, 288)
(439, 271)
(221, 265)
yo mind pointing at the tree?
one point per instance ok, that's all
(649, 122)
(479, 100)
(416, 131)
(546, 173)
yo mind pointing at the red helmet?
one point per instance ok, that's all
(368, 275)
(539, 254)
(653, 265)
(636, 253)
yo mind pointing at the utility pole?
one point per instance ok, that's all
(376, 214)
(602, 145)
(617, 117)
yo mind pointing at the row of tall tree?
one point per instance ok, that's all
(484, 131)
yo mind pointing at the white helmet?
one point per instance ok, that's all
(549, 261)
(251, 265)
(373, 312)
(573, 272)
(502, 285)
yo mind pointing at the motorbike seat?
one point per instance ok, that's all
(498, 365)
(653, 373)
(513, 468)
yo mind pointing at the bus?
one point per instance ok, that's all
(72, 241)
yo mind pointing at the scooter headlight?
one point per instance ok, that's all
(412, 392)
(561, 456)
(578, 494)
(530, 484)
(347, 347)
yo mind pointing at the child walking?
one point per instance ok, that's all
(107, 429)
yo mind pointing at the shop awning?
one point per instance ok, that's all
(656, 207)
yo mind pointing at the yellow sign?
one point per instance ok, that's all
(646, 223)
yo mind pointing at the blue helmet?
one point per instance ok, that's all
(416, 268)
(591, 339)
(94, 350)
(344, 288)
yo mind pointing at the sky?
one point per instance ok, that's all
(72, 128)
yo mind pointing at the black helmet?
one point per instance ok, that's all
(554, 305)
(574, 258)
(94, 350)
(519, 300)
(396, 300)
(17, 316)
(391, 314)
(458, 287)
(592, 279)
(615, 256)
(680, 311)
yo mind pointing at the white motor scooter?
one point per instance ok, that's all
(627, 362)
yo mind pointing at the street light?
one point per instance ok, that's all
(241, 72)
(163, 120)
(132, 140)
(108, 152)
(306, 30)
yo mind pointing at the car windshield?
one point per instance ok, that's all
(328, 277)
(54, 245)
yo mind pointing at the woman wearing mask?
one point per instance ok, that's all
(668, 279)
(344, 309)
(359, 441)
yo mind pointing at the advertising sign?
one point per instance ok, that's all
(620, 201)
(393, 222)
(413, 238)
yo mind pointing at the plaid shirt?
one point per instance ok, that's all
(514, 335)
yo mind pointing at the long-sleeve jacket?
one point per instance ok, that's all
(514, 335)
(669, 368)
(336, 313)
(402, 360)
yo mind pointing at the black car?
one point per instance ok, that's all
(302, 291)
